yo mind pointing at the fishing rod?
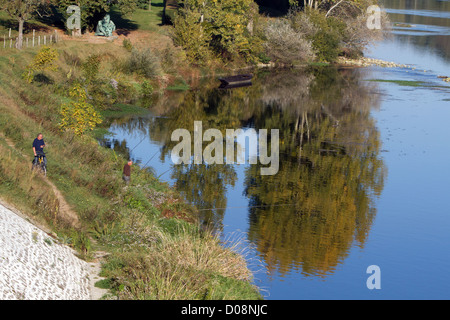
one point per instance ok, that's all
(138, 144)
(164, 172)
(258, 206)
(150, 159)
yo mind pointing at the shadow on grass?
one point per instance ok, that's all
(123, 25)
(27, 28)
(158, 4)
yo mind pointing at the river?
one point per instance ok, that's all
(363, 174)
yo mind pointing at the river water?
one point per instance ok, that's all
(363, 173)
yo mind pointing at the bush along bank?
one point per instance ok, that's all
(235, 33)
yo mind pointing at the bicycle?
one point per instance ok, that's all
(39, 163)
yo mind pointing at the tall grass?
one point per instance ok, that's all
(143, 62)
(185, 265)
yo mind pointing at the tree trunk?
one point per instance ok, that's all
(149, 4)
(333, 7)
(19, 43)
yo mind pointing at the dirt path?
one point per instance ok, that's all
(65, 211)
(91, 269)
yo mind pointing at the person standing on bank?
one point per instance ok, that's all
(38, 147)
(127, 172)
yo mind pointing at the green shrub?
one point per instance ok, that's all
(90, 67)
(144, 63)
(81, 242)
(325, 34)
(146, 89)
(127, 44)
(126, 92)
(326, 46)
(170, 58)
(106, 186)
(263, 58)
(286, 45)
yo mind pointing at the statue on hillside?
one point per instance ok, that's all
(105, 27)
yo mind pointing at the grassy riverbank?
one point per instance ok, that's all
(153, 245)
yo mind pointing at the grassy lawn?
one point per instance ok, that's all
(149, 20)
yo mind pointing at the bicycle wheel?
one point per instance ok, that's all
(44, 169)
(35, 167)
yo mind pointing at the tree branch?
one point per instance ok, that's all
(333, 7)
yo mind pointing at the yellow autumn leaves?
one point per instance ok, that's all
(43, 61)
(78, 115)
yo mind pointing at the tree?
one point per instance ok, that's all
(22, 10)
(223, 27)
(326, 4)
(44, 60)
(78, 115)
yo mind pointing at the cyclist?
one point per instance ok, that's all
(38, 149)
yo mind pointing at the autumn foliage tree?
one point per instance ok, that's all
(222, 28)
(45, 60)
(79, 116)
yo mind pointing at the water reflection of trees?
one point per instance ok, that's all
(206, 186)
(321, 200)
(203, 185)
(129, 124)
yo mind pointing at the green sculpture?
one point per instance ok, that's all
(105, 27)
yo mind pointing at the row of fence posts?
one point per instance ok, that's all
(30, 42)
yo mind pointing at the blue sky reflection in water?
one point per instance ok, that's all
(374, 178)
